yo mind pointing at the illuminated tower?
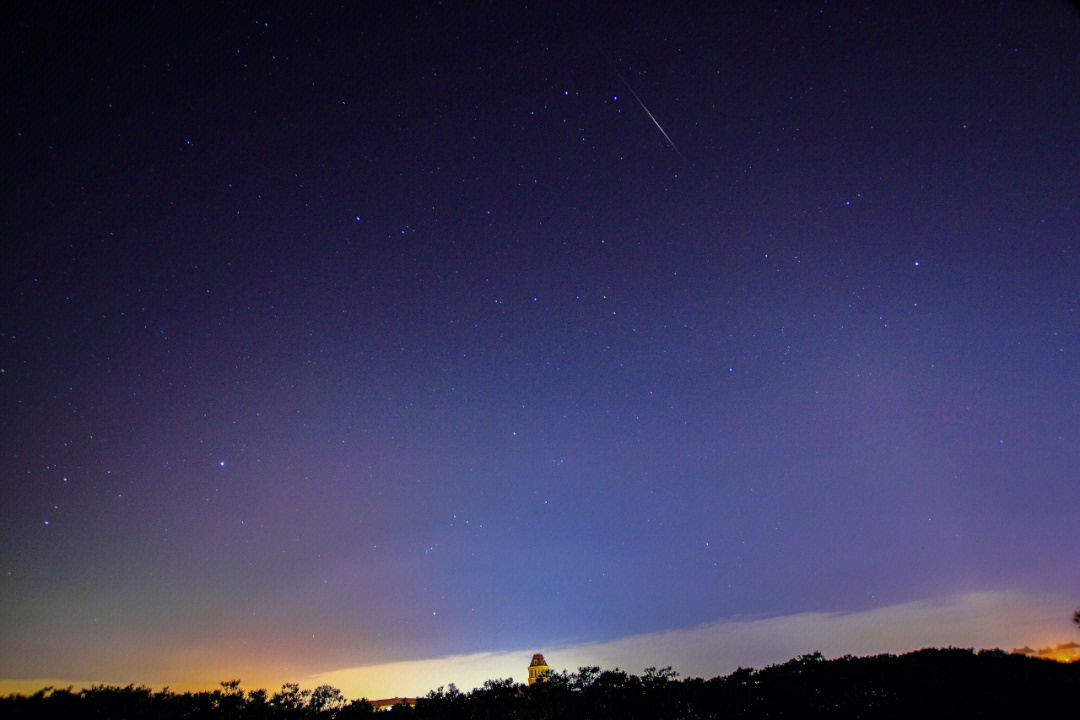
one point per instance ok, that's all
(537, 669)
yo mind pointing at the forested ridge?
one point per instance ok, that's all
(931, 683)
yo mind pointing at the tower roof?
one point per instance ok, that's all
(538, 660)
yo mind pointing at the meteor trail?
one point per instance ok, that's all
(636, 97)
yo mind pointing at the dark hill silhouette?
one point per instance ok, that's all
(932, 683)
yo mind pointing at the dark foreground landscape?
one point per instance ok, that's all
(951, 683)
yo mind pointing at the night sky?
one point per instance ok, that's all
(346, 338)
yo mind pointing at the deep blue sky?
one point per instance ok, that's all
(342, 338)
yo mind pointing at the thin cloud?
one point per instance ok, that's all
(979, 620)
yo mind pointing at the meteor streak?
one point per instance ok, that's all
(636, 97)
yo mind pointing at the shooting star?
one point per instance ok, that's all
(636, 97)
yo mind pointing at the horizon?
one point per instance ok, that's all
(952, 622)
(386, 343)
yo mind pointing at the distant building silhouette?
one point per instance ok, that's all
(538, 668)
(389, 703)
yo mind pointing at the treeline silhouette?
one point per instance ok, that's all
(932, 683)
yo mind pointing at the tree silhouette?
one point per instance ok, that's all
(931, 683)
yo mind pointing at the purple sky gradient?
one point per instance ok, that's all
(339, 340)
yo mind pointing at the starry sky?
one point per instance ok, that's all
(344, 338)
